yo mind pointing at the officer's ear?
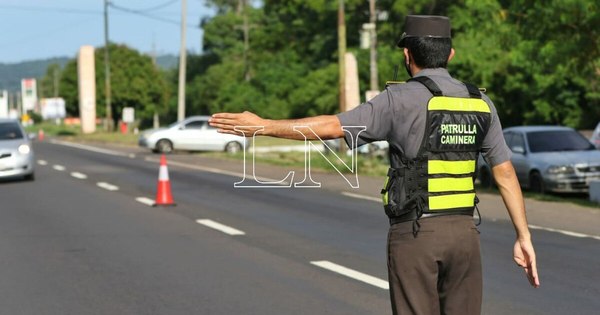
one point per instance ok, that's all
(406, 56)
(451, 54)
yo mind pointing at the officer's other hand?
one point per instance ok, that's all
(241, 124)
(524, 256)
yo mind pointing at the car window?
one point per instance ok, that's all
(198, 124)
(557, 140)
(10, 131)
(518, 141)
(508, 136)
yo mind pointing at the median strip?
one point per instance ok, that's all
(220, 227)
(107, 186)
(350, 273)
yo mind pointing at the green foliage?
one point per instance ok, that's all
(538, 60)
(135, 82)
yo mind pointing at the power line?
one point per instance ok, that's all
(46, 9)
(154, 17)
(154, 8)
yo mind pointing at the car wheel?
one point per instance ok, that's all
(536, 183)
(164, 146)
(485, 178)
(233, 147)
(30, 177)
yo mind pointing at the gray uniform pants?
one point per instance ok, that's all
(437, 272)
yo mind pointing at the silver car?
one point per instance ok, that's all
(191, 134)
(596, 137)
(16, 153)
(550, 158)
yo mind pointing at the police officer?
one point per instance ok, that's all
(436, 127)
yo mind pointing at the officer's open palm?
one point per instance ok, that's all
(524, 256)
(242, 124)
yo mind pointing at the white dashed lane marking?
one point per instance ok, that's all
(146, 201)
(220, 227)
(42, 162)
(78, 175)
(350, 273)
(59, 168)
(107, 186)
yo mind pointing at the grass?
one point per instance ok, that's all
(579, 199)
(74, 133)
(367, 165)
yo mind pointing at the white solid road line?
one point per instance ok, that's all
(220, 227)
(42, 162)
(146, 201)
(90, 148)
(569, 233)
(78, 175)
(359, 196)
(219, 171)
(59, 168)
(356, 275)
(535, 227)
(107, 186)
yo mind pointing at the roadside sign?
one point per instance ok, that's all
(128, 115)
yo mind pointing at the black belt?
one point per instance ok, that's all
(411, 216)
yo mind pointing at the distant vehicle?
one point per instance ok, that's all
(549, 159)
(191, 134)
(376, 148)
(596, 137)
(16, 153)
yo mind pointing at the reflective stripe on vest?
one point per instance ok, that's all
(454, 127)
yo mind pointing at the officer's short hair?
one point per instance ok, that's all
(429, 52)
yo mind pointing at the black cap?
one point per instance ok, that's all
(425, 26)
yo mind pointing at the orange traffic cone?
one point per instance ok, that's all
(41, 135)
(163, 192)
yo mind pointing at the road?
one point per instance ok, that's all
(69, 245)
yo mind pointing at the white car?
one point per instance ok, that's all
(191, 134)
(16, 154)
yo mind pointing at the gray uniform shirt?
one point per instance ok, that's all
(398, 115)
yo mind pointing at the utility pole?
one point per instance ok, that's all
(182, 65)
(373, 42)
(342, 53)
(108, 123)
(55, 79)
(246, 27)
(342, 60)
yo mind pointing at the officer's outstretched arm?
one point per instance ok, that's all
(246, 123)
(523, 254)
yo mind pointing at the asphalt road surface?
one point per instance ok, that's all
(81, 239)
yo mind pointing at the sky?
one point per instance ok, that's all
(40, 29)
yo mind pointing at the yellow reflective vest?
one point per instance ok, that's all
(439, 181)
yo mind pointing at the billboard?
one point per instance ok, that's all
(3, 104)
(53, 108)
(28, 94)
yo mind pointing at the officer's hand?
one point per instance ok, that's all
(241, 124)
(524, 256)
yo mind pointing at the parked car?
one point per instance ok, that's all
(16, 153)
(192, 134)
(549, 158)
(595, 139)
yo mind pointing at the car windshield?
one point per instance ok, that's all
(557, 140)
(10, 131)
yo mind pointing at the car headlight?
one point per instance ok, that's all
(24, 149)
(561, 169)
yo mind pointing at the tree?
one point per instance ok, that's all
(135, 82)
